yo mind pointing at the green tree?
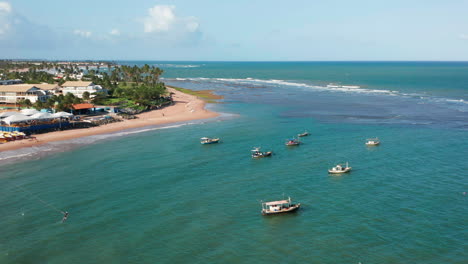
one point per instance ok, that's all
(86, 96)
(38, 105)
(27, 103)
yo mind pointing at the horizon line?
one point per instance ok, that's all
(113, 60)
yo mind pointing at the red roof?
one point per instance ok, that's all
(82, 106)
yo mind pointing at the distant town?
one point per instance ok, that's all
(33, 92)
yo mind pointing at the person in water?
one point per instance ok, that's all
(65, 216)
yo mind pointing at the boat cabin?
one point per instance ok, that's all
(372, 142)
(206, 140)
(282, 206)
(340, 168)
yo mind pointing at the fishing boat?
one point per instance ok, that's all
(340, 168)
(292, 142)
(256, 153)
(205, 140)
(278, 207)
(305, 134)
(372, 142)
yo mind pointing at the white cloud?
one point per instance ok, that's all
(162, 18)
(5, 7)
(463, 36)
(115, 32)
(82, 33)
(5, 17)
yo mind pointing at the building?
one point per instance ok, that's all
(49, 88)
(11, 94)
(83, 109)
(77, 88)
(10, 82)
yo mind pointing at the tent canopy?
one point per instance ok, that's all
(16, 118)
(6, 114)
(42, 116)
(62, 114)
(29, 112)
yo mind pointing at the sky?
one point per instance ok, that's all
(240, 30)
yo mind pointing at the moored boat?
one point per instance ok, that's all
(303, 134)
(372, 142)
(292, 142)
(340, 168)
(278, 207)
(205, 140)
(256, 153)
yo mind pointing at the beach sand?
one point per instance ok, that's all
(186, 107)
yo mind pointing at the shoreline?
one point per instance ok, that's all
(186, 107)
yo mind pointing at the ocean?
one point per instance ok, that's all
(156, 195)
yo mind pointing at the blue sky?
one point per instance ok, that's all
(238, 30)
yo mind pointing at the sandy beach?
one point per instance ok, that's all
(186, 107)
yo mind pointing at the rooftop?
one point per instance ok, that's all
(82, 106)
(17, 88)
(277, 202)
(77, 84)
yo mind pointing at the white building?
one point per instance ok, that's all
(79, 87)
(11, 94)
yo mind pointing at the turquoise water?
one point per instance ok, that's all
(158, 196)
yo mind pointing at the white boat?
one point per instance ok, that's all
(256, 153)
(372, 142)
(278, 207)
(205, 140)
(340, 168)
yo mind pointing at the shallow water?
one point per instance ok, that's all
(160, 196)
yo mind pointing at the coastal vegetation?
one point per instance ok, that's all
(58, 102)
(132, 88)
(207, 95)
(136, 88)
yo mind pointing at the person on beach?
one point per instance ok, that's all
(65, 216)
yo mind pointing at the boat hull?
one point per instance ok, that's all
(263, 155)
(293, 208)
(339, 172)
(210, 142)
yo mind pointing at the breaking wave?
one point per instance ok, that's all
(458, 104)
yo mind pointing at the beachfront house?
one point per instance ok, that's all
(77, 88)
(49, 88)
(11, 94)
